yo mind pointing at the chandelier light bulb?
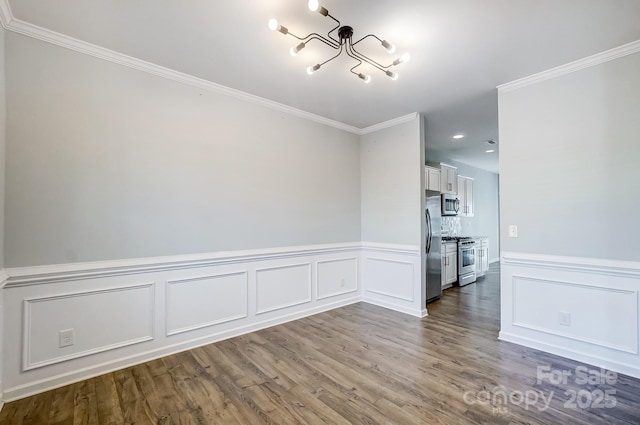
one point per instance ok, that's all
(312, 69)
(294, 50)
(406, 57)
(314, 6)
(365, 78)
(274, 25)
(393, 75)
(391, 48)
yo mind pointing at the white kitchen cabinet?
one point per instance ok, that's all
(482, 257)
(449, 264)
(448, 179)
(465, 194)
(431, 178)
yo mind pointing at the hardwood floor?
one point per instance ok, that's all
(359, 364)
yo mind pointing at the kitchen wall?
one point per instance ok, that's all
(123, 164)
(486, 202)
(568, 180)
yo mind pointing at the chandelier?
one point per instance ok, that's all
(343, 43)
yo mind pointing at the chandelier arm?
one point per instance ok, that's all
(332, 58)
(351, 55)
(367, 36)
(359, 63)
(336, 27)
(314, 36)
(363, 58)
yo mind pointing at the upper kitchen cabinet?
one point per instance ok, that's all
(465, 194)
(448, 179)
(431, 178)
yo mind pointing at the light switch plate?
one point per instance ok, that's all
(513, 231)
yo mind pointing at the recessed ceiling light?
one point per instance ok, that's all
(458, 136)
(490, 151)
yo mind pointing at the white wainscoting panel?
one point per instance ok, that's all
(124, 312)
(336, 277)
(585, 309)
(595, 313)
(199, 302)
(392, 278)
(281, 287)
(101, 320)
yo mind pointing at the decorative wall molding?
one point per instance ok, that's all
(632, 297)
(280, 279)
(39, 275)
(215, 317)
(348, 288)
(29, 364)
(586, 309)
(593, 60)
(578, 264)
(388, 292)
(391, 248)
(290, 268)
(10, 23)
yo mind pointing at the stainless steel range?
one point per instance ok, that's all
(466, 261)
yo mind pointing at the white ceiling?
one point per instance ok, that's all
(461, 50)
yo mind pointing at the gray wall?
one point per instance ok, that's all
(3, 128)
(392, 170)
(105, 162)
(569, 151)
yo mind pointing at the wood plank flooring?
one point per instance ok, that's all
(359, 364)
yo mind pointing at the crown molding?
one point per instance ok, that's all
(4, 277)
(589, 61)
(18, 26)
(400, 120)
(6, 16)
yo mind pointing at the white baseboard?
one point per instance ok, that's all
(627, 369)
(396, 307)
(494, 260)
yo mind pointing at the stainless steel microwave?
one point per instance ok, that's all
(450, 204)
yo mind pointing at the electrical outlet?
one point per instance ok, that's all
(564, 318)
(513, 231)
(65, 338)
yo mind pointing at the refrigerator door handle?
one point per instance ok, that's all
(429, 232)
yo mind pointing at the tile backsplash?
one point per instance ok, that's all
(451, 226)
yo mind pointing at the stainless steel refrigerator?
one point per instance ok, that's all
(433, 246)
